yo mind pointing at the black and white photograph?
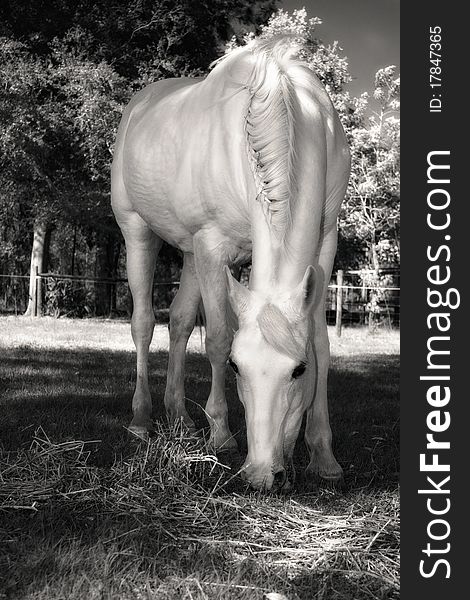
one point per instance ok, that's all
(200, 302)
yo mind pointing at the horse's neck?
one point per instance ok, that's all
(266, 252)
(278, 264)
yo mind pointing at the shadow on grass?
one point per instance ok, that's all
(87, 395)
(84, 394)
(77, 561)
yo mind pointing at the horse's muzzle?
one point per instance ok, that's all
(265, 479)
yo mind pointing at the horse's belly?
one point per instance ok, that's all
(178, 211)
(178, 202)
(185, 171)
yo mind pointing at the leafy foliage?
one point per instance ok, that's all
(371, 209)
(68, 67)
(157, 38)
(65, 298)
(370, 214)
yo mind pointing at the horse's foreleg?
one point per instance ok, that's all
(142, 247)
(318, 431)
(209, 268)
(183, 312)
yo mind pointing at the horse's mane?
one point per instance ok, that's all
(262, 67)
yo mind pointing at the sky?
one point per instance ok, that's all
(367, 30)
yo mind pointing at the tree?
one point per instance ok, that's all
(370, 212)
(326, 61)
(91, 99)
(69, 68)
(27, 144)
(332, 69)
(371, 209)
(59, 118)
(157, 38)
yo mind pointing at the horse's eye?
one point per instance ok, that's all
(233, 365)
(299, 370)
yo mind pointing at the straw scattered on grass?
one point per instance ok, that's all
(161, 524)
(83, 518)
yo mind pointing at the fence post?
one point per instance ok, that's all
(364, 300)
(339, 301)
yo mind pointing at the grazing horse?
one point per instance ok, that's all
(248, 162)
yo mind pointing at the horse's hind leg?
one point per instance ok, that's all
(142, 246)
(183, 313)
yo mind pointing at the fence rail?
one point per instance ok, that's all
(353, 297)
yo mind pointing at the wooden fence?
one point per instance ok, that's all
(351, 300)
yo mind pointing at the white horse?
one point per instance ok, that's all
(250, 161)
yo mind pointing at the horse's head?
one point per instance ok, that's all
(274, 362)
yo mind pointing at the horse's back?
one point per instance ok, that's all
(179, 161)
(184, 160)
(137, 118)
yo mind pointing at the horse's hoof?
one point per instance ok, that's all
(140, 432)
(314, 478)
(227, 446)
(335, 483)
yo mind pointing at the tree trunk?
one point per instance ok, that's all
(107, 255)
(38, 260)
(74, 249)
(375, 279)
(102, 304)
(375, 258)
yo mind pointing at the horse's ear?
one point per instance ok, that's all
(238, 294)
(308, 292)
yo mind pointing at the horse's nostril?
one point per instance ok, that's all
(280, 476)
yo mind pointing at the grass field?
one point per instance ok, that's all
(86, 511)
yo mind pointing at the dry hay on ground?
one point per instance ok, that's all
(171, 521)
